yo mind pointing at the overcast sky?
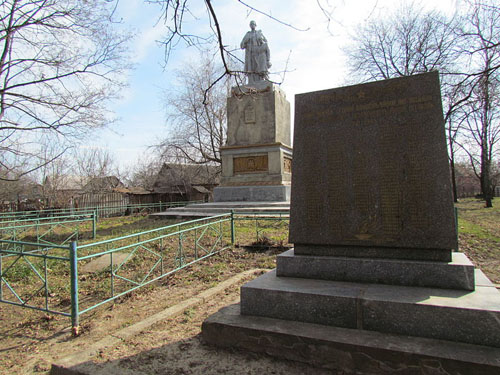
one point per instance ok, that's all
(315, 59)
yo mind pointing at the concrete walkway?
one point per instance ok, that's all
(216, 208)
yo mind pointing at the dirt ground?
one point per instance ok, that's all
(174, 346)
(479, 238)
(31, 341)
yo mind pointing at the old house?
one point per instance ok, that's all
(186, 182)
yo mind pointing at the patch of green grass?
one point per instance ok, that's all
(19, 271)
(475, 219)
(467, 227)
(96, 286)
(188, 315)
(479, 235)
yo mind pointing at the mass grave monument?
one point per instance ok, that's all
(257, 157)
(375, 283)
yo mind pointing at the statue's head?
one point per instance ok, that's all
(253, 25)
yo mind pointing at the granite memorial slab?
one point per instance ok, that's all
(374, 283)
(371, 175)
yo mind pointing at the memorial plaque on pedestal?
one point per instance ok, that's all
(378, 182)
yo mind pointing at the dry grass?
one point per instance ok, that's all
(479, 235)
(30, 340)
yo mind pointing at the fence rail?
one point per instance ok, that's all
(43, 229)
(55, 278)
(101, 210)
(17, 259)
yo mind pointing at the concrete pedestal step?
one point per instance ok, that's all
(457, 274)
(349, 351)
(217, 208)
(444, 314)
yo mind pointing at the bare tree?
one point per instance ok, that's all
(93, 162)
(196, 117)
(59, 63)
(57, 180)
(145, 172)
(13, 193)
(177, 17)
(411, 41)
(482, 114)
(408, 41)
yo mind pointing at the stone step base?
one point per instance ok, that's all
(350, 351)
(217, 208)
(445, 314)
(457, 274)
(240, 205)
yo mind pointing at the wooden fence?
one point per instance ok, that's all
(115, 204)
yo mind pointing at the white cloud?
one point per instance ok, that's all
(146, 43)
(316, 61)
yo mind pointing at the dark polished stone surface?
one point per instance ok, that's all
(440, 255)
(370, 167)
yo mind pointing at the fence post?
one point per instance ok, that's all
(1, 274)
(73, 256)
(232, 227)
(94, 225)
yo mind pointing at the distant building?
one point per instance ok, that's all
(467, 182)
(60, 191)
(102, 184)
(183, 182)
(23, 194)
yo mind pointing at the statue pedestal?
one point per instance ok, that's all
(255, 87)
(257, 158)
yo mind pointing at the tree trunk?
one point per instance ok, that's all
(486, 183)
(453, 179)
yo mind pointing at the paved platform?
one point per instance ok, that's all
(198, 210)
(447, 314)
(351, 351)
(366, 327)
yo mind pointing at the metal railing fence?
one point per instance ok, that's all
(139, 259)
(48, 230)
(268, 228)
(35, 275)
(26, 274)
(101, 211)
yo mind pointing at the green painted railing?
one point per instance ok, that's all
(18, 261)
(269, 227)
(35, 275)
(102, 211)
(139, 259)
(42, 229)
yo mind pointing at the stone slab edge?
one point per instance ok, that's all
(347, 350)
(457, 274)
(64, 365)
(403, 310)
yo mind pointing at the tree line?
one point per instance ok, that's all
(465, 48)
(61, 61)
